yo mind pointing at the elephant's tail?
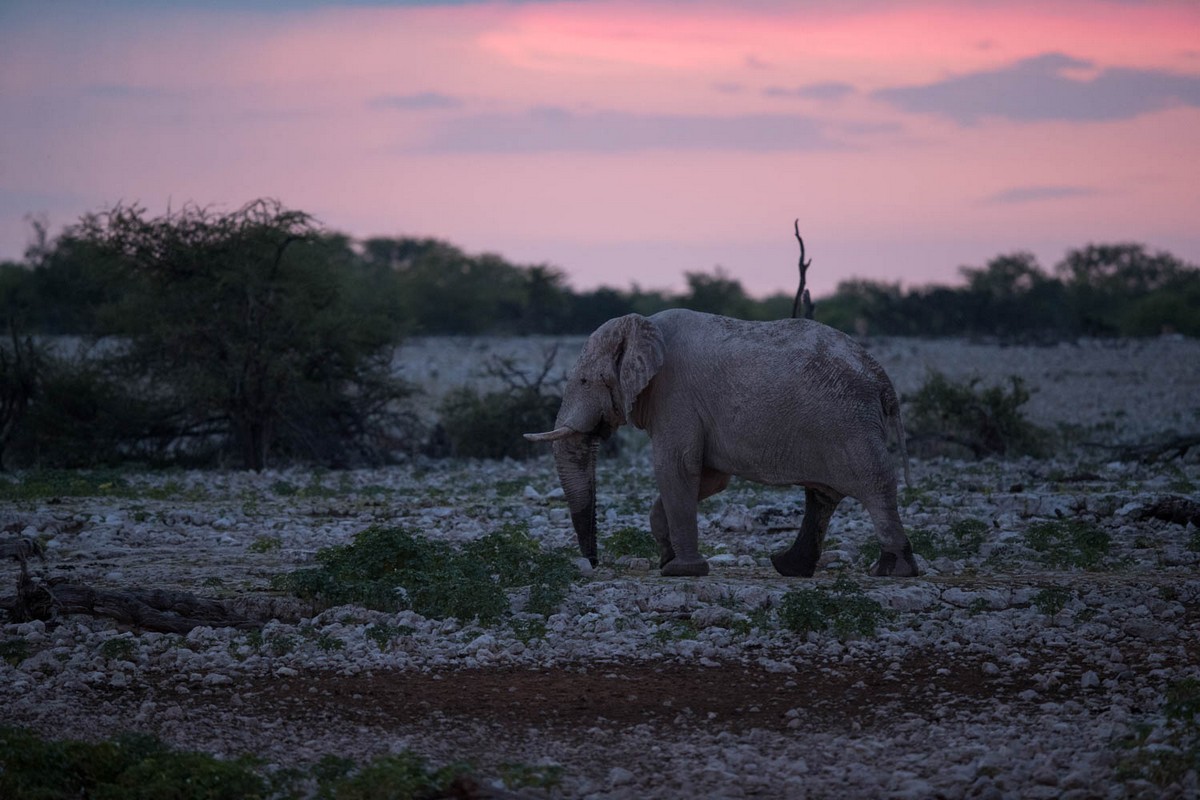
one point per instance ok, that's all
(891, 413)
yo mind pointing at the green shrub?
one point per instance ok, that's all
(141, 767)
(967, 536)
(493, 425)
(1052, 599)
(132, 766)
(1165, 754)
(844, 610)
(985, 421)
(391, 569)
(14, 651)
(404, 776)
(1068, 543)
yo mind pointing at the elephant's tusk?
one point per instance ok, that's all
(552, 436)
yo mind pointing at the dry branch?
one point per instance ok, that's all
(802, 301)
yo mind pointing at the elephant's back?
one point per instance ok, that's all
(783, 354)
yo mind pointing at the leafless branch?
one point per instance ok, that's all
(802, 301)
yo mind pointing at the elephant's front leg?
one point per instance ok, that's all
(711, 482)
(800, 560)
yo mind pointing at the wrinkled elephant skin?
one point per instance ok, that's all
(791, 402)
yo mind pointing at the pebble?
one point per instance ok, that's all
(976, 619)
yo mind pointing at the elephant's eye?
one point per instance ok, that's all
(583, 381)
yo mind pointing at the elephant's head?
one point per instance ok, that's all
(616, 364)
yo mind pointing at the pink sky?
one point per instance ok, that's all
(625, 142)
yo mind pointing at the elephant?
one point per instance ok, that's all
(787, 402)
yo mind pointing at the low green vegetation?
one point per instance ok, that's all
(42, 484)
(1068, 543)
(492, 424)
(1165, 754)
(986, 421)
(1052, 599)
(844, 610)
(130, 767)
(391, 569)
(629, 541)
(135, 766)
(14, 650)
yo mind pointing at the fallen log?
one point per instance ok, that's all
(21, 549)
(161, 610)
(1172, 508)
(1147, 453)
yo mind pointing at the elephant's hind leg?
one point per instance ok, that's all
(896, 553)
(800, 560)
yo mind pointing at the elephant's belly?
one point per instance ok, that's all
(784, 463)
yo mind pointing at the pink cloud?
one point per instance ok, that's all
(349, 113)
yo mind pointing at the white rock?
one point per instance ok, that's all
(619, 776)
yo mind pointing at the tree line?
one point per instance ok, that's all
(74, 283)
(229, 337)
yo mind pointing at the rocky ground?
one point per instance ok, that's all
(1042, 653)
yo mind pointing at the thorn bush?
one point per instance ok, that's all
(986, 421)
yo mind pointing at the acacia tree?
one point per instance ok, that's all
(246, 321)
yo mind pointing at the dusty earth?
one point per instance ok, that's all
(1000, 672)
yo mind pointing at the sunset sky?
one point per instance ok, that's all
(624, 141)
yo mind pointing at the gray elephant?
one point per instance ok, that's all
(791, 402)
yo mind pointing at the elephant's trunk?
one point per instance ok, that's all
(575, 458)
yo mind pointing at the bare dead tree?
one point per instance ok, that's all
(516, 379)
(802, 301)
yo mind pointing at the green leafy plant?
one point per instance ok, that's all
(1052, 599)
(141, 767)
(520, 776)
(986, 421)
(629, 541)
(14, 651)
(403, 775)
(391, 569)
(844, 610)
(1068, 543)
(1164, 754)
(265, 544)
(134, 766)
(493, 424)
(117, 649)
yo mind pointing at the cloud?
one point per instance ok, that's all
(1029, 194)
(121, 91)
(831, 90)
(1041, 88)
(556, 129)
(421, 101)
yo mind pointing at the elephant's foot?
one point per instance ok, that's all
(666, 554)
(901, 565)
(680, 568)
(794, 566)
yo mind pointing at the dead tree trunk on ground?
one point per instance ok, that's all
(165, 611)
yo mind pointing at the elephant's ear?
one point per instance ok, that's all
(638, 358)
